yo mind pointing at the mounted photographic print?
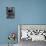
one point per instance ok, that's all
(10, 12)
(32, 32)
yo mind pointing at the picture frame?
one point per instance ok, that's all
(10, 12)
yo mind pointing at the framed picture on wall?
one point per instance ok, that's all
(10, 12)
(33, 32)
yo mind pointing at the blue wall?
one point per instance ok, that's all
(27, 12)
(31, 11)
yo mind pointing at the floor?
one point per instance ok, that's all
(30, 43)
(7, 45)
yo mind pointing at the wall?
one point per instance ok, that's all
(31, 11)
(27, 12)
(6, 25)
